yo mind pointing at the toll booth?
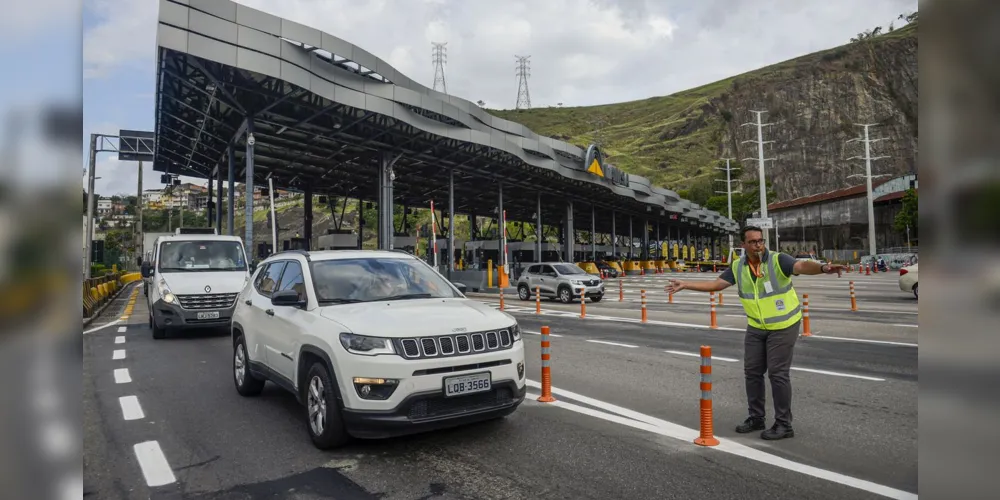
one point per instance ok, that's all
(337, 240)
(295, 244)
(443, 258)
(405, 243)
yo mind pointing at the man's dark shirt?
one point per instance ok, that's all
(787, 263)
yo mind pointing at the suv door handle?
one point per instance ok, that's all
(269, 312)
(248, 302)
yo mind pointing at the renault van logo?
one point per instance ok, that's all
(208, 289)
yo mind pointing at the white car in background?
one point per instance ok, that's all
(908, 279)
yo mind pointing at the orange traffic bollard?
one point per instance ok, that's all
(805, 315)
(720, 298)
(621, 291)
(670, 297)
(868, 270)
(501, 298)
(538, 300)
(643, 306)
(707, 434)
(854, 300)
(583, 303)
(546, 396)
(711, 299)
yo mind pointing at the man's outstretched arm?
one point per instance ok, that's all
(716, 285)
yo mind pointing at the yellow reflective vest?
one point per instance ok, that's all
(770, 301)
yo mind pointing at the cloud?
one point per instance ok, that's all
(583, 52)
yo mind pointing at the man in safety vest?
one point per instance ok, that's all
(764, 282)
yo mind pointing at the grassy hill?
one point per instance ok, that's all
(675, 140)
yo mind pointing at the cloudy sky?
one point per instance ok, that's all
(583, 52)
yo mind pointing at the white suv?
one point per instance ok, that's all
(374, 344)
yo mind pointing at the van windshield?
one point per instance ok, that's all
(194, 256)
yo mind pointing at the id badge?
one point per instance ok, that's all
(767, 287)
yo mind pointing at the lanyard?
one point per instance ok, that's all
(755, 270)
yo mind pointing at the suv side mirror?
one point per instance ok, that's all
(147, 269)
(287, 298)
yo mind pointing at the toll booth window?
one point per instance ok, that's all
(365, 280)
(186, 256)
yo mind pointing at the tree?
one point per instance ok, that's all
(907, 216)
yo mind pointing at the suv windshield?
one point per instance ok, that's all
(187, 256)
(568, 269)
(371, 279)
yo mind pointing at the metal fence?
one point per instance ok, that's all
(99, 291)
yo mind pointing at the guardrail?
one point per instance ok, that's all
(99, 291)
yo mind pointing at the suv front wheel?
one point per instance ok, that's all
(523, 293)
(246, 383)
(323, 419)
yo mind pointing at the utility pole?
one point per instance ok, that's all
(138, 211)
(729, 193)
(523, 72)
(760, 162)
(439, 56)
(868, 180)
(88, 256)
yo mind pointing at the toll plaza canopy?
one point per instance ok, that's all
(247, 95)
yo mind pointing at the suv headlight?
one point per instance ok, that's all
(515, 331)
(368, 346)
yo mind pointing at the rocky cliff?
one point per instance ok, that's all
(814, 102)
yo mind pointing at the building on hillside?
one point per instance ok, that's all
(834, 225)
(104, 206)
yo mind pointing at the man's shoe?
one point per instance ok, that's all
(778, 431)
(751, 424)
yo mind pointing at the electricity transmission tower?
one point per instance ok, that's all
(439, 55)
(760, 165)
(868, 180)
(728, 192)
(523, 72)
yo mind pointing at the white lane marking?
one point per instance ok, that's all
(838, 374)
(131, 409)
(154, 464)
(669, 429)
(735, 315)
(118, 354)
(113, 323)
(612, 343)
(849, 339)
(122, 376)
(811, 307)
(907, 326)
(619, 319)
(121, 329)
(119, 339)
(539, 333)
(698, 355)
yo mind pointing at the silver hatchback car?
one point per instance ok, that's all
(562, 280)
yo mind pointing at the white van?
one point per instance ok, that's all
(194, 276)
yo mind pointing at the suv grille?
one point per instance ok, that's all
(439, 406)
(456, 345)
(208, 301)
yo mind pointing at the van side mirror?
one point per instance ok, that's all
(147, 270)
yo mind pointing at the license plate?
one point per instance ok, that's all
(208, 315)
(467, 384)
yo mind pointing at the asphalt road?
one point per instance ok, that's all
(622, 427)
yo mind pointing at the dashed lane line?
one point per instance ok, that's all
(869, 341)
(131, 409)
(539, 333)
(634, 419)
(122, 376)
(698, 355)
(118, 354)
(612, 343)
(120, 339)
(153, 463)
(121, 329)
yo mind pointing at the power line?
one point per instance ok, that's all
(760, 165)
(523, 72)
(868, 180)
(439, 56)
